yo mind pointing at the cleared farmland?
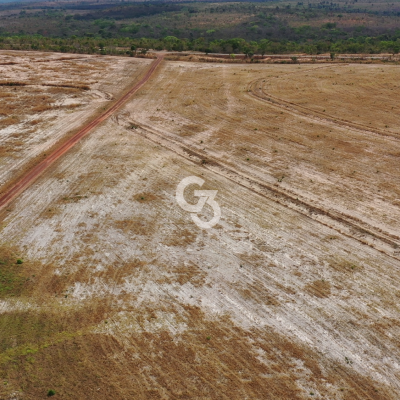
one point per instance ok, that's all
(45, 97)
(293, 295)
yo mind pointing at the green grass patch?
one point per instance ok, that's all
(12, 279)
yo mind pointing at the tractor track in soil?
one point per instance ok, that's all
(344, 224)
(310, 114)
(25, 181)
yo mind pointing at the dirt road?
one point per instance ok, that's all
(35, 172)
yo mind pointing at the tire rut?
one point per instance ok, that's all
(28, 178)
(312, 114)
(344, 224)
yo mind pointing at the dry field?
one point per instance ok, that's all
(44, 97)
(293, 295)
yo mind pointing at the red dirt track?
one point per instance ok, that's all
(36, 171)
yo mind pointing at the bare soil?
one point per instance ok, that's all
(293, 295)
(45, 97)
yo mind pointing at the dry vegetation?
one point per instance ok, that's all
(44, 97)
(323, 134)
(121, 296)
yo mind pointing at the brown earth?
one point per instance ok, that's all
(120, 295)
(46, 98)
(60, 149)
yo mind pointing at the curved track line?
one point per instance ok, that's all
(36, 171)
(313, 114)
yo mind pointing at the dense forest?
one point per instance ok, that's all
(270, 27)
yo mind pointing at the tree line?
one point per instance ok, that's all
(129, 46)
